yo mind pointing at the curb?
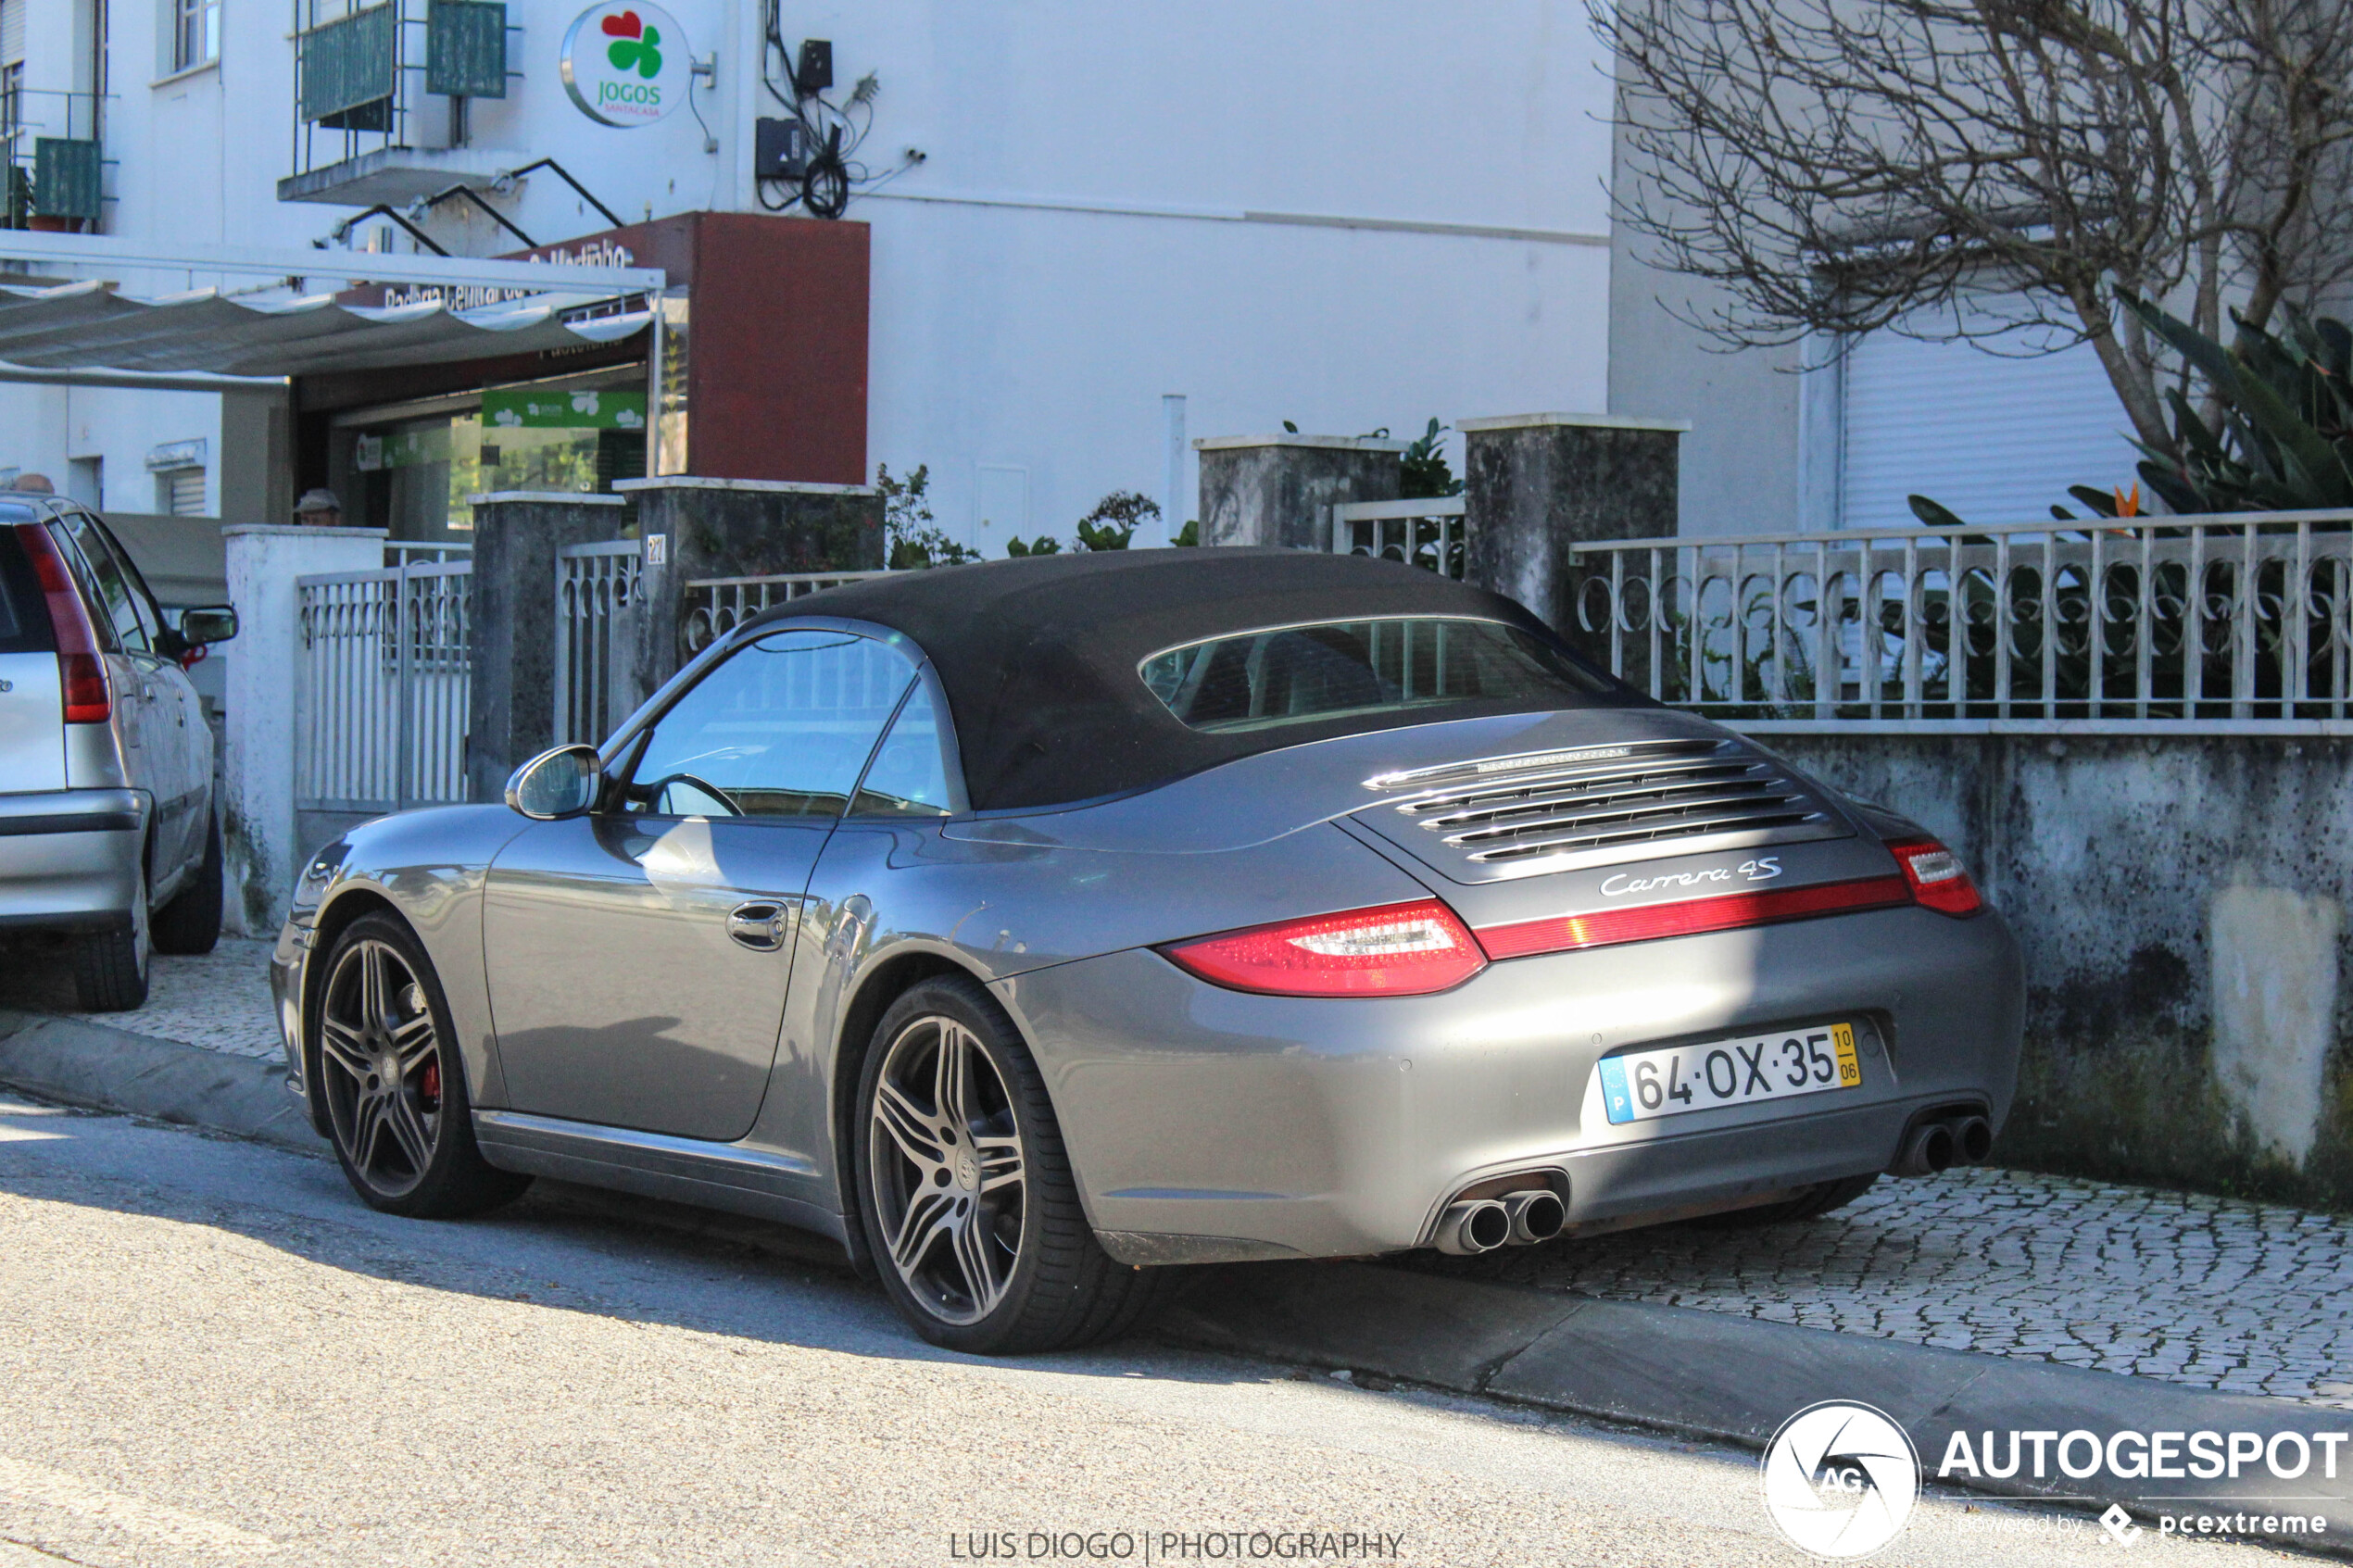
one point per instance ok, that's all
(1736, 1380)
(76, 1062)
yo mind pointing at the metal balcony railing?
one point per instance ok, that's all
(52, 165)
(364, 74)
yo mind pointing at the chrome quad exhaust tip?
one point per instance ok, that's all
(1479, 1225)
(1536, 1215)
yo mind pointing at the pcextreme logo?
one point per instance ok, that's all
(1840, 1479)
(626, 63)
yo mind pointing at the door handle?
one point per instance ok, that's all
(759, 925)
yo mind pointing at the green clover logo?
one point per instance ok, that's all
(634, 43)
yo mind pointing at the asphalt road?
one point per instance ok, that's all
(210, 1353)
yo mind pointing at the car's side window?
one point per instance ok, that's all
(85, 579)
(120, 601)
(909, 775)
(781, 728)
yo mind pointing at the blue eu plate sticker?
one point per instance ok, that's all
(1614, 1094)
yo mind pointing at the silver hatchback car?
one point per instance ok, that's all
(110, 835)
(1032, 926)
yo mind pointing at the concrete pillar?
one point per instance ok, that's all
(510, 713)
(1536, 484)
(1280, 490)
(263, 560)
(692, 529)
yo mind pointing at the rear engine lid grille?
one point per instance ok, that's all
(1491, 819)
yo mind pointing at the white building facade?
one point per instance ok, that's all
(1093, 232)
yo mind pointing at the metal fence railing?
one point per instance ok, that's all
(597, 601)
(380, 687)
(2223, 624)
(716, 606)
(1427, 532)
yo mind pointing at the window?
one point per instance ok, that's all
(782, 728)
(909, 775)
(1290, 674)
(122, 595)
(195, 33)
(179, 492)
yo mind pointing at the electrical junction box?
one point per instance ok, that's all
(779, 149)
(814, 74)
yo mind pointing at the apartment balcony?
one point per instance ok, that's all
(53, 169)
(381, 95)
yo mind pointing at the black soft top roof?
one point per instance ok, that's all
(1038, 655)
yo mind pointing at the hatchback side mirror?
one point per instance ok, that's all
(554, 784)
(196, 628)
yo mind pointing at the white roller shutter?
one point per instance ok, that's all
(1997, 439)
(12, 31)
(182, 492)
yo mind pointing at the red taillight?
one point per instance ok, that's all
(1688, 917)
(81, 671)
(1938, 880)
(1395, 950)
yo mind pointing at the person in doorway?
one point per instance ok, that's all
(319, 509)
(33, 484)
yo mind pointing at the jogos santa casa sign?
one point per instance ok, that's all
(626, 63)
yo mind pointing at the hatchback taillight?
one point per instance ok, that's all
(1938, 880)
(81, 674)
(1395, 951)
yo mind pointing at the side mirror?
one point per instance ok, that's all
(562, 783)
(213, 624)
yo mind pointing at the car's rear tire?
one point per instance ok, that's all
(394, 1082)
(191, 922)
(1811, 1204)
(966, 1194)
(110, 966)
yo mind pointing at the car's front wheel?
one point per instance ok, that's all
(393, 1082)
(965, 1192)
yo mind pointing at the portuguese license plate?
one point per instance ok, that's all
(1644, 1085)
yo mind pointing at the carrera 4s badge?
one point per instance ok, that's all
(1765, 868)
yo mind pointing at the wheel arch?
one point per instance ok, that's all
(888, 979)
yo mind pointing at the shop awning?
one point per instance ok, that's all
(89, 324)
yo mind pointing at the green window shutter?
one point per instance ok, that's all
(347, 64)
(466, 48)
(65, 177)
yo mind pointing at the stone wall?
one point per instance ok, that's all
(2182, 903)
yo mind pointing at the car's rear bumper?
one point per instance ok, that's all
(1210, 1123)
(70, 859)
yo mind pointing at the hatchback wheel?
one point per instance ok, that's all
(393, 1082)
(966, 1195)
(110, 966)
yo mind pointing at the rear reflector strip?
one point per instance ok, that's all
(1562, 934)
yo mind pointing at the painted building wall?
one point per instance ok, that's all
(1345, 214)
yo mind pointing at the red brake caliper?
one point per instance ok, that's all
(429, 1087)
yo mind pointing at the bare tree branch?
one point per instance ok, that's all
(1839, 167)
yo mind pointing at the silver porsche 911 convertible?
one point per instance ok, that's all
(1032, 927)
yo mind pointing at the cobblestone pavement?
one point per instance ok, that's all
(2246, 1298)
(219, 1000)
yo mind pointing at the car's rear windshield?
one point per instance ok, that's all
(1377, 668)
(24, 619)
